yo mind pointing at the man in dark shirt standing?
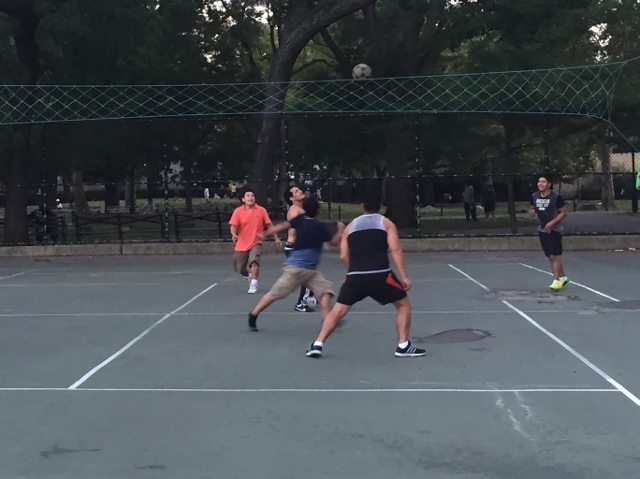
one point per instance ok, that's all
(551, 210)
(364, 249)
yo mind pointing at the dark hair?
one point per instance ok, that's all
(245, 190)
(311, 205)
(371, 200)
(546, 176)
(286, 195)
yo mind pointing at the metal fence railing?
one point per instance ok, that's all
(430, 206)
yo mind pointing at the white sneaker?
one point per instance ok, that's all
(253, 287)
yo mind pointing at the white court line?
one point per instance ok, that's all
(138, 338)
(436, 280)
(575, 353)
(573, 282)
(469, 277)
(82, 285)
(14, 275)
(270, 313)
(111, 273)
(319, 390)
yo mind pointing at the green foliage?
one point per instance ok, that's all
(201, 41)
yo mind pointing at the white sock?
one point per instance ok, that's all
(403, 345)
(254, 281)
(318, 343)
(563, 278)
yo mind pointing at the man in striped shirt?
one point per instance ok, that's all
(364, 249)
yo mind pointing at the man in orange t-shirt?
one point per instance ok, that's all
(247, 222)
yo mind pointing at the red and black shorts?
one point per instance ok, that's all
(382, 287)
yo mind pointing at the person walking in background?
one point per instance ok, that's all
(550, 208)
(488, 197)
(468, 198)
(246, 223)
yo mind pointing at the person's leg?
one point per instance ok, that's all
(282, 288)
(555, 252)
(403, 319)
(254, 263)
(556, 267)
(264, 302)
(474, 213)
(349, 295)
(240, 259)
(403, 324)
(467, 211)
(301, 303)
(331, 319)
(255, 270)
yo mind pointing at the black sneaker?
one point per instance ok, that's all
(303, 308)
(252, 323)
(314, 351)
(410, 352)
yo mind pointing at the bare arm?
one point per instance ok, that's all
(337, 238)
(274, 230)
(234, 233)
(562, 214)
(395, 249)
(344, 247)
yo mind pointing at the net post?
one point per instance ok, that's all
(417, 163)
(634, 189)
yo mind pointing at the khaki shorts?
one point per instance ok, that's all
(293, 277)
(244, 259)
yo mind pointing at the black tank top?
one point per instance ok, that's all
(368, 247)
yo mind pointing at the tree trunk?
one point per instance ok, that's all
(80, 203)
(16, 226)
(509, 160)
(15, 221)
(607, 193)
(130, 191)
(51, 184)
(283, 167)
(270, 134)
(187, 177)
(300, 26)
(401, 201)
(111, 196)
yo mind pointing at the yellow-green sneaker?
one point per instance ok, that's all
(556, 285)
(564, 281)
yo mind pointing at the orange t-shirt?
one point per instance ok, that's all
(249, 223)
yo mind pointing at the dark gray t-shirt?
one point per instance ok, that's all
(547, 208)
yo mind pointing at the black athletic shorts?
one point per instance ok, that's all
(383, 287)
(551, 243)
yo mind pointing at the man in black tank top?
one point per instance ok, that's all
(365, 247)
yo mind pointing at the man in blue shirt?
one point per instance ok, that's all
(301, 264)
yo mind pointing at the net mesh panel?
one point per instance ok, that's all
(586, 91)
